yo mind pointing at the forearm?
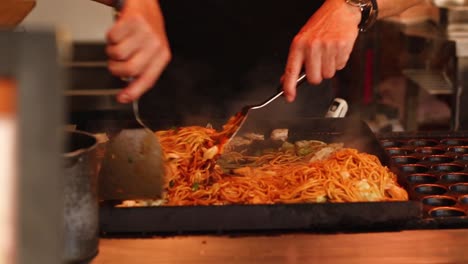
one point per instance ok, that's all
(394, 7)
(105, 2)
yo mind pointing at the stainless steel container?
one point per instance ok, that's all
(81, 200)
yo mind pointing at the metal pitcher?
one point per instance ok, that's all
(81, 200)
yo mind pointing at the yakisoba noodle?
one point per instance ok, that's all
(194, 178)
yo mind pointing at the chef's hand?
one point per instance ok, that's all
(137, 47)
(322, 46)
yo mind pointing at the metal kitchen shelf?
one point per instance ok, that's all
(432, 81)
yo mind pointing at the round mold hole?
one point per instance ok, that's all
(447, 167)
(398, 151)
(464, 199)
(454, 142)
(439, 158)
(446, 212)
(438, 200)
(421, 178)
(459, 149)
(461, 188)
(391, 143)
(430, 150)
(430, 189)
(413, 168)
(455, 177)
(423, 142)
(405, 159)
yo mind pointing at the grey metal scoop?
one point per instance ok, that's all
(133, 164)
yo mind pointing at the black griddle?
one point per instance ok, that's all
(317, 217)
(434, 167)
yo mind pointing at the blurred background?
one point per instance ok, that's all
(404, 74)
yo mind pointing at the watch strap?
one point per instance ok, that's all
(375, 5)
(365, 13)
(369, 16)
(369, 11)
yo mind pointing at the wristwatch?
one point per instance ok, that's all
(369, 12)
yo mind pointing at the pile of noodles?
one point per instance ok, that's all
(195, 178)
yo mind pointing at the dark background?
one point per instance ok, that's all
(227, 54)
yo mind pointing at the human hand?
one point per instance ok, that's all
(322, 46)
(137, 47)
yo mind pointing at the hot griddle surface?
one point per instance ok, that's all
(315, 217)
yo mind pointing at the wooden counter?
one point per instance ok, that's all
(421, 246)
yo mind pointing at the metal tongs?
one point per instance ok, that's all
(234, 124)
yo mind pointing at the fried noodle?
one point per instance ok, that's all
(193, 176)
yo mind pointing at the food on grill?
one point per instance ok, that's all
(279, 134)
(254, 136)
(306, 171)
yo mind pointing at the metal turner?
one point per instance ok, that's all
(234, 124)
(133, 166)
(136, 113)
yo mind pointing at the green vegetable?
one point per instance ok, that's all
(195, 186)
(171, 184)
(287, 146)
(305, 151)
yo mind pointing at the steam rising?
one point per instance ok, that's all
(196, 93)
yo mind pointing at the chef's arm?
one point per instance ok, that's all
(137, 46)
(106, 2)
(324, 43)
(394, 7)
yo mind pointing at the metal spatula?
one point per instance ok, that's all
(233, 126)
(133, 165)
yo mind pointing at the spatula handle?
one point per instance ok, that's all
(299, 81)
(280, 92)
